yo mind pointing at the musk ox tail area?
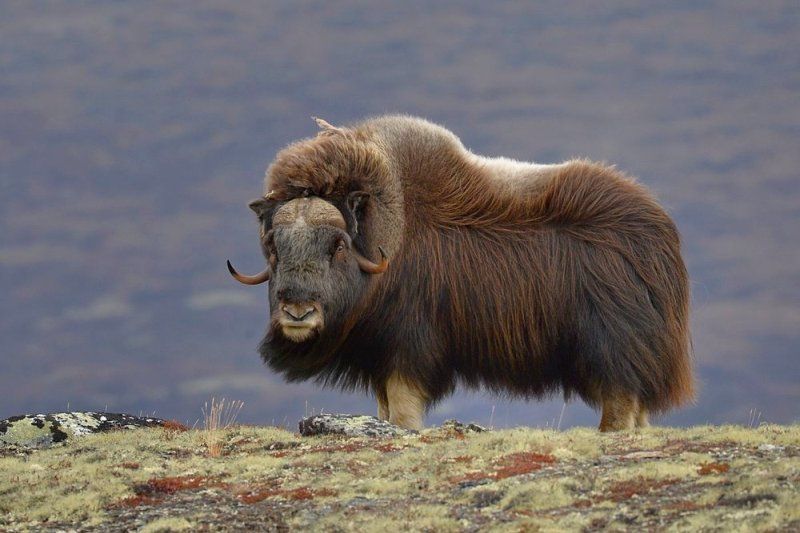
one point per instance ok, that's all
(629, 287)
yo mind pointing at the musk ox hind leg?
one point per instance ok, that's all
(641, 418)
(406, 402)
(620, 411)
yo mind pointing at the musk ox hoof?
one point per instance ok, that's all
(350, 425)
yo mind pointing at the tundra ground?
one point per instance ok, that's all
(444, 479)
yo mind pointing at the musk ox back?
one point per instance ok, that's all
(403, 264)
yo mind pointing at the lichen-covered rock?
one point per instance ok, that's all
(44, 430)
(350, 425)
(458, 427)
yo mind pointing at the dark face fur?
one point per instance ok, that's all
(316, 274)
(316, 281)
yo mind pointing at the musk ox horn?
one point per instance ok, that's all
(259, 278)
(372, 268)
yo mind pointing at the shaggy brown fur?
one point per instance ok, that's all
(569, 277)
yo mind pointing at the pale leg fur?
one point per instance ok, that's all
(620, 411)
(383, 408)
(641, 418)
(406, 403)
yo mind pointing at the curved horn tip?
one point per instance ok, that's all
(259, 278)
(373, 268)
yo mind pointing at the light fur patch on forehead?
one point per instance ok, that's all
(312, 211)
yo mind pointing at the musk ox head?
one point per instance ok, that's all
(316, 274)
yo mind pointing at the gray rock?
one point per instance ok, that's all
(350, 425)
(459, 427)
(44, 430)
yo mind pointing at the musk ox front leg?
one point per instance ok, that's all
(405, 403)
(383, 405)
(621, 411)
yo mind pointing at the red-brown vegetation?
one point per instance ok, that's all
(170, 485)
(174, 425)
(684, 505)
(347, 448)
(136, 501)
(713, 468)
(154, 490)
(624, 490)
(514, 464)
(279, 454)
(520, 463)
(386, 448)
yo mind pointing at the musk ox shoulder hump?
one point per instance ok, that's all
(416, 136)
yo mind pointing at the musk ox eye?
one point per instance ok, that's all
(339, 248)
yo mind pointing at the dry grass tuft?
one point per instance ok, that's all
(217, 417)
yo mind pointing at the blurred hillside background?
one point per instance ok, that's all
(132, 134)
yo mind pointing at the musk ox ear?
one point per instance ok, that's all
(356, 208)
(261, 206)
(264, 208)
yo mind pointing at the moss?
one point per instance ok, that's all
(764, 434)
(578, 443)
(654, 470)
(693, 458)
(540, 494)
(789, 510)
(543, 524)
(167, 524)
(402, 518)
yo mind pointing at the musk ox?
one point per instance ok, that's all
(403, 264)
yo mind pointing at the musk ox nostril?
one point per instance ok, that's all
(298, 312)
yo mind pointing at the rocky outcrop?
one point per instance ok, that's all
(458, 427)
(28, 432)
(350, 425)
(44, 430)
(369, 426)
